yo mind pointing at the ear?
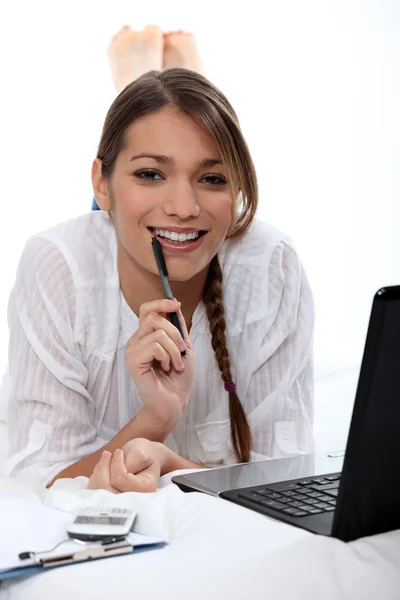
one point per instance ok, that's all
(100, 186)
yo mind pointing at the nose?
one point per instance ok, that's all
(181, 202)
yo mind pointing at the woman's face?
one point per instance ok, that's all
(169, 180)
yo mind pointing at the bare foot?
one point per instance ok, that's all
(180, 50)
(132, 53)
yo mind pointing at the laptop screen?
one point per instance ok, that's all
(369, 498)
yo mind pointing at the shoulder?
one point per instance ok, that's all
(70, 269)
(85, 246)
(255, 248)
(256, 269)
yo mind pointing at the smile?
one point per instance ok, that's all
(178, 241)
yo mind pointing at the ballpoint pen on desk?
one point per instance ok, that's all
(163, 272)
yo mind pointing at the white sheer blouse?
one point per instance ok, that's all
(69, 323)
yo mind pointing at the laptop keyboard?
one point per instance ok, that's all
(302, 498)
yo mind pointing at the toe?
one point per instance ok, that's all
(153, 29)
(116, 35)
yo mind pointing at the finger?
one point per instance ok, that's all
(129, 482)
(148, 478)
(119, 473)
(102, 468)
(149, 351)
(158, 306)
(137, 458)
(159, 346)
(153, 322)
(100, 478)
(185, 332)
(143, 467)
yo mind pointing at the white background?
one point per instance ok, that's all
(316, 85)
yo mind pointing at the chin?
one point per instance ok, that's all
(180, 277)
(180, 274)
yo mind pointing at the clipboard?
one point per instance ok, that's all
(37, 524)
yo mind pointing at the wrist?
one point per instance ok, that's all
(157, 429)
(169, 460)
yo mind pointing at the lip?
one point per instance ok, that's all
(174, 248)
(178, 229)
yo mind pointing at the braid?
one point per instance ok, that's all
(212, 298)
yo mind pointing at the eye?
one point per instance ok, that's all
(213, 180)
(148, 175)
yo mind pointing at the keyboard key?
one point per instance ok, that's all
(319, 480)
(273, 495)
(329, 509)
(315, 511)
(251, 496)
(294, 503)
(312, 494)
(311, 501)
(289, 487)
(305, 482)
(327, 485)
(324, 498)
(299, 513)
(288, 493)
(290, 511)
(299, 497)
(333, 477)
(332, 492)
(304, 507)
(273, 504)
(322, 505)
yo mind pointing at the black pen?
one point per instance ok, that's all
(163, 272)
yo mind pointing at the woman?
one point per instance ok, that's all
(95, 364)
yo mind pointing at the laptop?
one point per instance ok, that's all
(357, 494)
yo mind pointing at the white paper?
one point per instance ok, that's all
(27, 526)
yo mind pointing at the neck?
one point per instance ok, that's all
(139, 285)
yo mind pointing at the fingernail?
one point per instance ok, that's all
(117, 452)
(104, 455)
(182, 345)
(181, 365)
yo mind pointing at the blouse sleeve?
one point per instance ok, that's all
(50, 416)
(279, 399)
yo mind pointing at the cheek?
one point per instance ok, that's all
(130, 200)
(224, 211)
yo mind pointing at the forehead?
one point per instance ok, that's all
(172, 133)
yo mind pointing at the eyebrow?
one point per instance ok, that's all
(165, 160)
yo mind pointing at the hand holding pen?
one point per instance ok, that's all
(163, 378)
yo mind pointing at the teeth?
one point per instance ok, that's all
(177, 237)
